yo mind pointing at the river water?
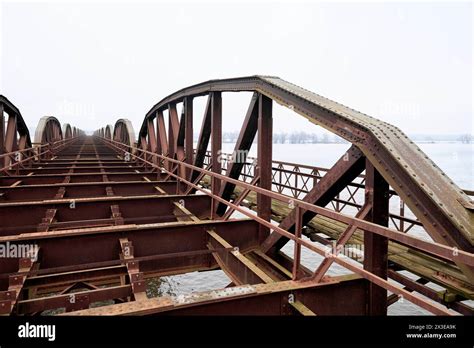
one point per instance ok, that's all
(455, 159)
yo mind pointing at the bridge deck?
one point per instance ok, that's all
(100, 241)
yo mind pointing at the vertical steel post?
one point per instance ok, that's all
(265, 122)
(188, 133)
(10, 138)
(376, 246)
(402, 215)
(216, 141)
(173, 130)
(152, 143)
(161, 133)
(297, 246)
(144, 146)
(2, 135)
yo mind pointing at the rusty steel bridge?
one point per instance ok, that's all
(108, 212)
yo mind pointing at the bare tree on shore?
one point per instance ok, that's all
(290, 138)
(466, 138)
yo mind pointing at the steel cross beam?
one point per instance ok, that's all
(40, 192)
(238, 267)
(148, 239)
(258, 299)
(83, 298)
(23, 217)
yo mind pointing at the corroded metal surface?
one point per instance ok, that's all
(434, 198)
(8, 107)
(48, 130)
(110, 213)
(123, 132)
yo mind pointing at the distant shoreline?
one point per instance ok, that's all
(329, 138)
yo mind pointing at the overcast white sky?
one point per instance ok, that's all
(91, 63)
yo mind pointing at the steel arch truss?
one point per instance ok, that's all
(159, 207)
(15, 139)
(48, 130)
(443, 208)
(67, 131)
(105, 132)
(123, 132)
(382, 164)
(16, 148)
